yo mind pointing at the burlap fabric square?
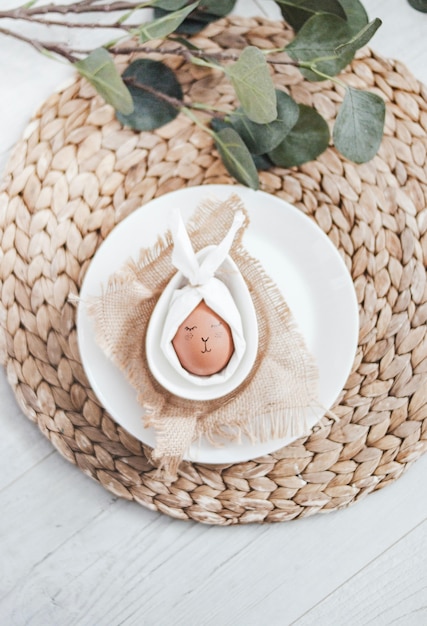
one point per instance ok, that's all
(272, 402)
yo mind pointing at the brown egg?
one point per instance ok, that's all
(203, 343)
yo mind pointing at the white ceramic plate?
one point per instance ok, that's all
(297, 255)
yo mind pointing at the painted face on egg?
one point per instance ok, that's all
(203, 343)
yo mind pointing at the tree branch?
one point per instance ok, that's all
(40, 15)
(39, 20)
(43, 46)
(83, 7)
(179, 51)
(175, 102)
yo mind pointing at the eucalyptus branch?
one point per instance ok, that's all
(177, 51)
(88, 6)
(180, 105)
(48, 22)
(72, 54)
(80, 7)
(188, 112)
(313, 67)
(31, 14)
(197, 54)
(43, 46)
(268, 126)
(175, 102)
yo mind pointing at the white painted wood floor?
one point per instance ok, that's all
(72, 554)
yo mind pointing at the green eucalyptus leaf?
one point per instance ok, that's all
(356, 15)
(150, 110)
(184, 42)
(169, 5)
(198, 19)
(191, 25)
(254, 86)
(218, 7)
(359, 126)
(99, 69)
(164, 26)
(236, 157)
(261, 138)
(262, 162)
(360, 39)
(218, 124)
(307, 139)
(125, 16)
(316, 43)
(297, 12)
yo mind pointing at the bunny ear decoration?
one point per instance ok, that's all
(198, 283)
(184, 258)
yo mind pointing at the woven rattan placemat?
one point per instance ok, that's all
(77, 173)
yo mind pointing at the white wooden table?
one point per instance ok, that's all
(73, 554)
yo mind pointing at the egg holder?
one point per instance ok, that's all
(161, 356)
(76, 173)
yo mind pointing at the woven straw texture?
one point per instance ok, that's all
(77, 173)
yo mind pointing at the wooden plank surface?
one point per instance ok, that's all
(73, 554)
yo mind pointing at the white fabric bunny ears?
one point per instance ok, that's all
(196, 282)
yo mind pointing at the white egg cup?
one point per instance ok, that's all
(187, 385)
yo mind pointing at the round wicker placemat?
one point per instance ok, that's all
(77, 173)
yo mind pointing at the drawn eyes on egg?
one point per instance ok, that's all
(188, 332)
(218, 331)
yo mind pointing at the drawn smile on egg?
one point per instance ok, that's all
(205, 346)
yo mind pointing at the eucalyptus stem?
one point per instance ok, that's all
(82, 7)
(43, 46)
(48, 22)
(313, 68)
(189, 113)
(175, 102)
(178, 104)
(177, 51)
(200, 106)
